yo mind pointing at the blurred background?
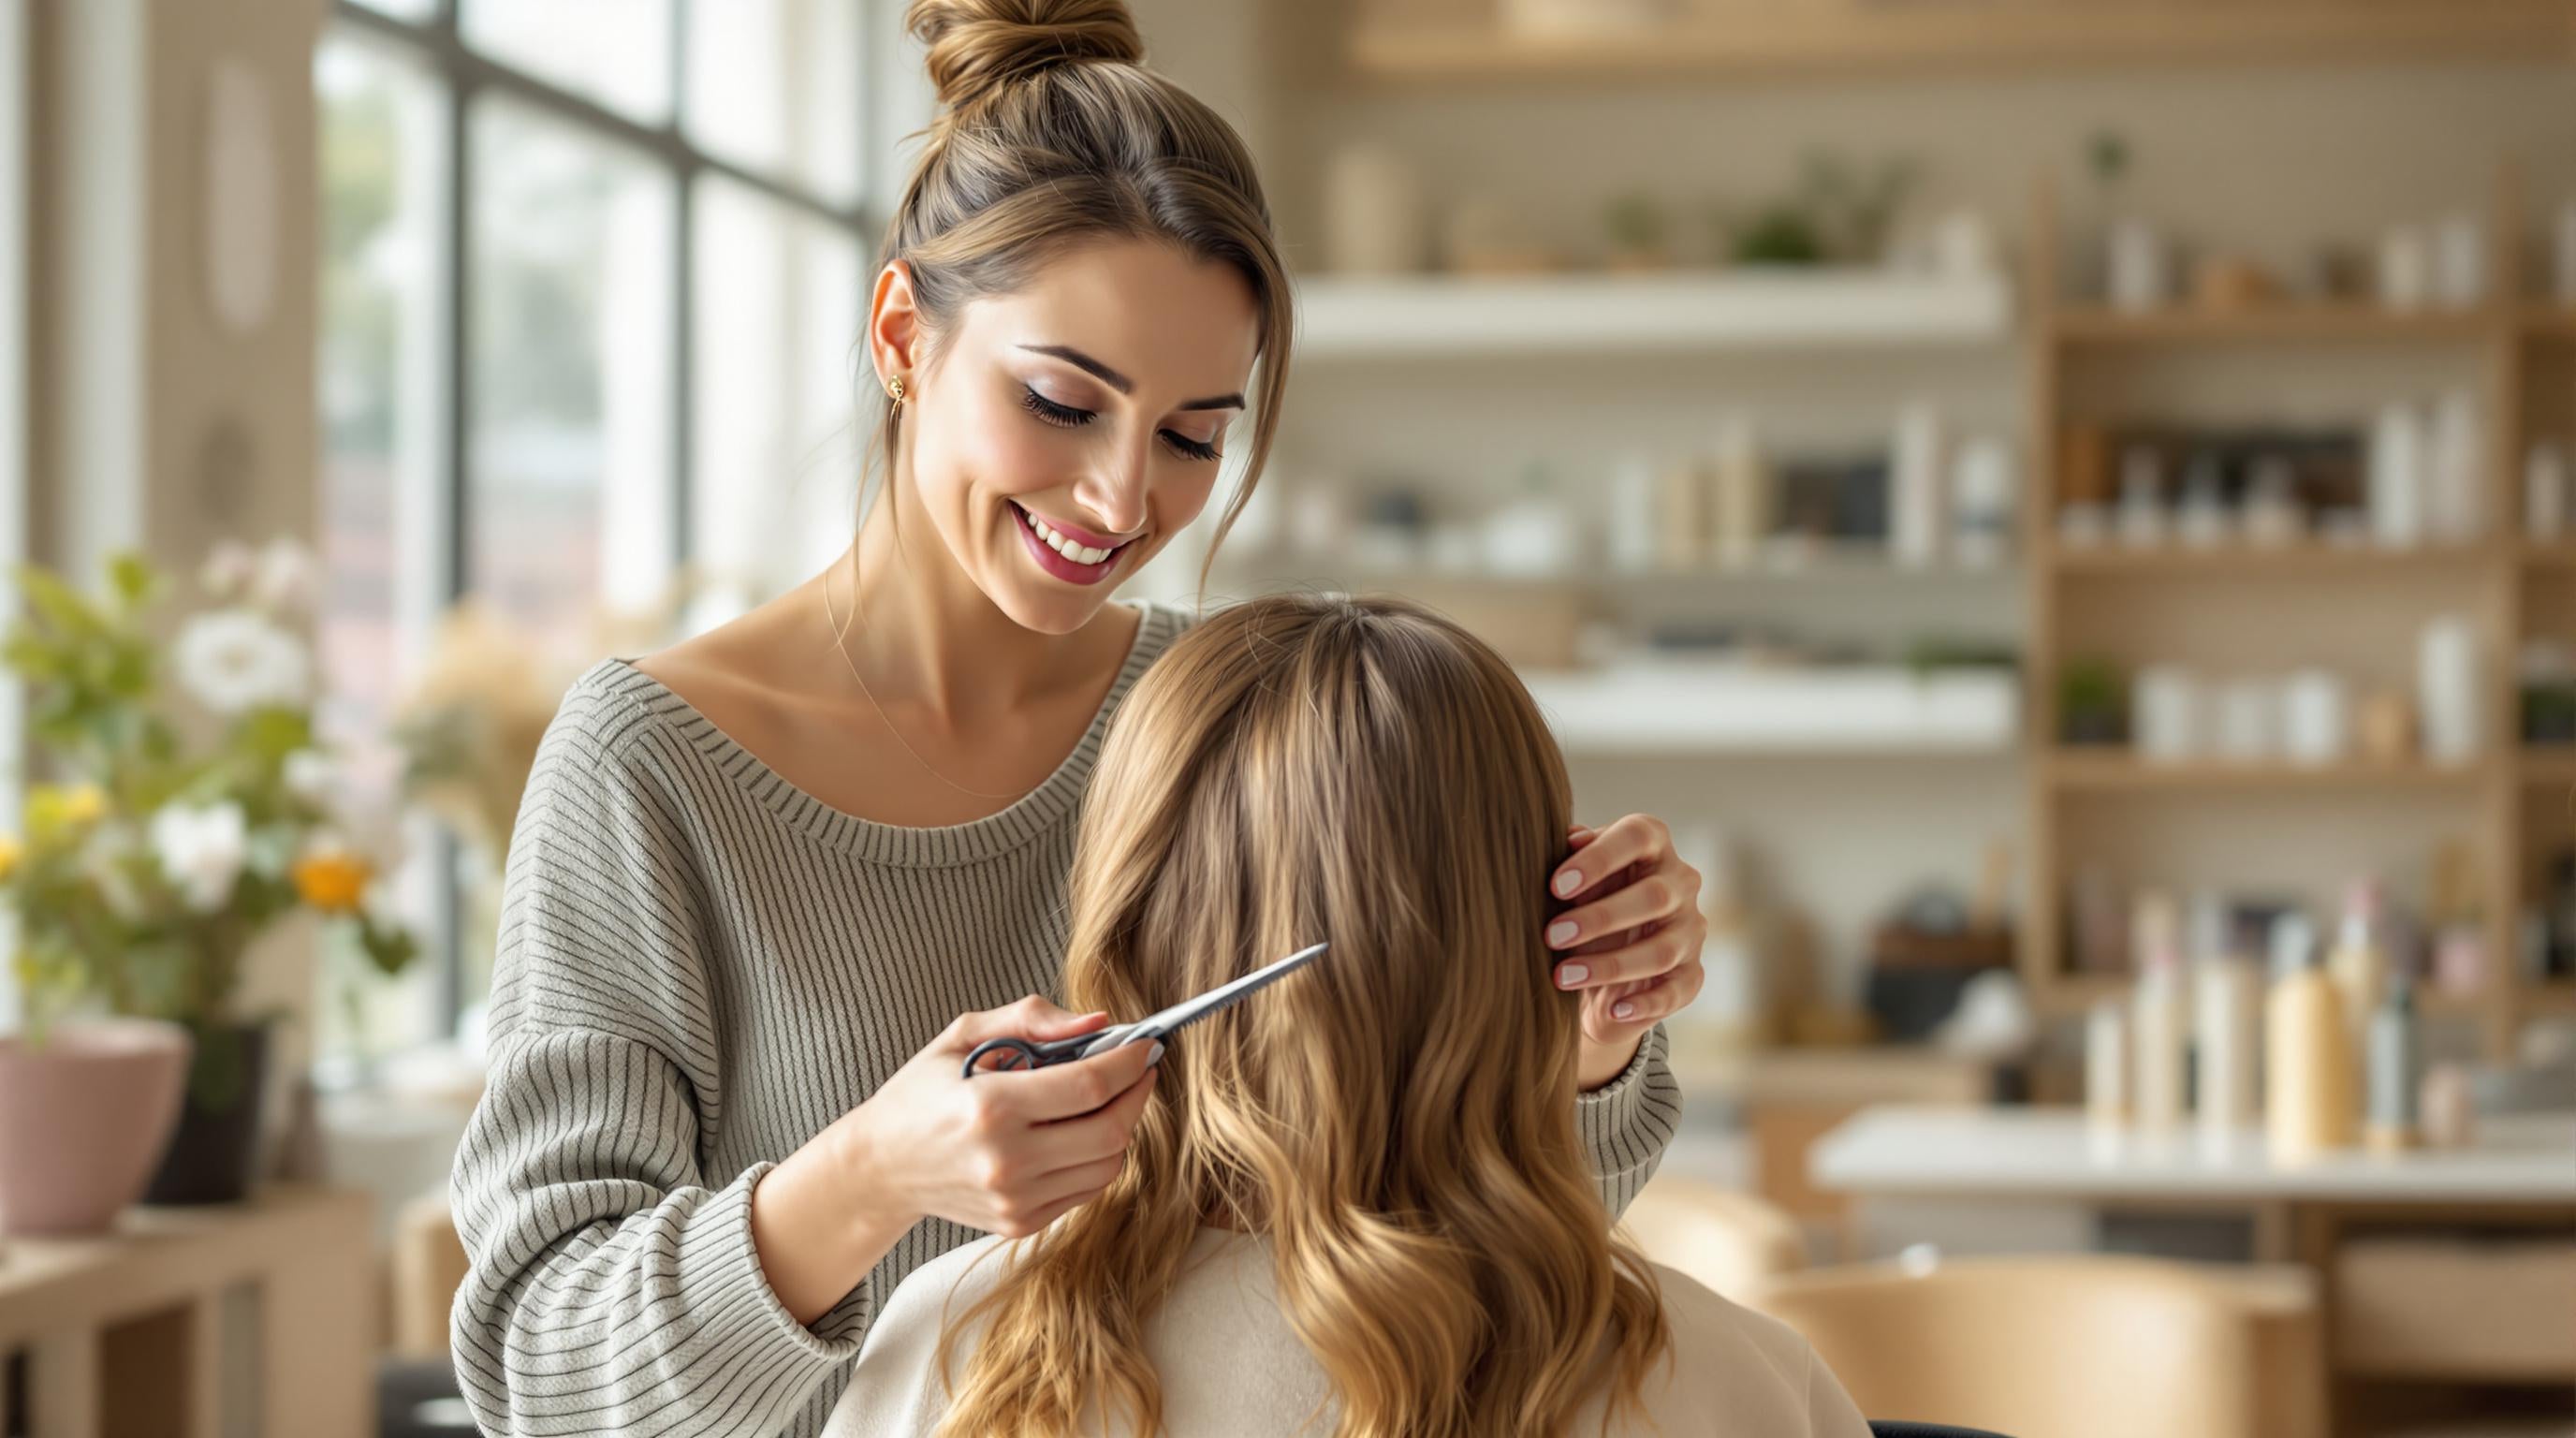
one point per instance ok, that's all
(2064, 505)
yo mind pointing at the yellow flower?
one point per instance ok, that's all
(332, 880)
(55, 807)
(11, 852)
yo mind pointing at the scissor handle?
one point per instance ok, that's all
(1009, 1054)
(1015, 1053)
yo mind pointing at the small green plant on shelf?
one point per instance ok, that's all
(2092, 703)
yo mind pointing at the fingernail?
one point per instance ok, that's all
(1155, 1057)
(1561, 932)
(1568, 975)
(1623, 1010)
(1568, 882)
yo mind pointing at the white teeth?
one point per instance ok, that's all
(1078, 553)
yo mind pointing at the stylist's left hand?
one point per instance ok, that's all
(1631, 942)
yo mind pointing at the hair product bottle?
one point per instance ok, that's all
(2396, 1072)
(2159, 1015)
(2226, 1028)
(2359, 964)
(2308, 1109)
(2106, 1066)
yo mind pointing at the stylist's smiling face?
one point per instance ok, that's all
(1065, 432)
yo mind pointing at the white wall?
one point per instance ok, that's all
(2268, 160)
(15, 208)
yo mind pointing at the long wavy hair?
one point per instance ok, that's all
(1397, 1119)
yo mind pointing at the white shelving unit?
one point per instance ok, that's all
(1710, 709)
(1448, 316)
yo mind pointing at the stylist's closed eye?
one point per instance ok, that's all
(1065, 416)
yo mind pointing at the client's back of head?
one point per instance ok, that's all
(1398, 1117)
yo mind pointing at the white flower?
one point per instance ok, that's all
(201, 850)
(228, 569)
(234, 660)
(313, 777)
(287, 579)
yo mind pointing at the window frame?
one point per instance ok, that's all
(439, 46)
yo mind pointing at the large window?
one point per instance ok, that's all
(590, 303)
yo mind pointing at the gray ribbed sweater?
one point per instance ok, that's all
(702, 966)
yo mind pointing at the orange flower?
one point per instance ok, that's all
(332, 880)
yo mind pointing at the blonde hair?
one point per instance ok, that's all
(1398, 1117)
(1052, 134)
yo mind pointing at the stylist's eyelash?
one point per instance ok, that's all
(1060, 415)
(1067, 417)
(1188, 448)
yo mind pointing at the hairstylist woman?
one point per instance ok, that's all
(758, 878)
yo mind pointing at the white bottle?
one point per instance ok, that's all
(2460, 262)
(2106, 1066)
(2396, 471)
(1915, 507)
(1740, 501)
(1981, 503)
(2316, 718)
(2359, 963)
(2456, 475)
(2139, 274)
(2142, 501)
(1630, 533)
(2228, 1028)
(2159, 1023)
(2446, 697)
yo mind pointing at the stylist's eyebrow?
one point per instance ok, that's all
(1122, 383)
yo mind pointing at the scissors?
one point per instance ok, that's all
(1011, 1054)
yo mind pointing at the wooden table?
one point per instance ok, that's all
(2518, 1180)
(143, 1330)
(2054, 1153)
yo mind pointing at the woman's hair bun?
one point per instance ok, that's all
(979, 46)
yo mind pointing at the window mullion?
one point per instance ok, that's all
(455, 559)
(684, 281)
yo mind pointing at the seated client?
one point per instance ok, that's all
(1356, 1203)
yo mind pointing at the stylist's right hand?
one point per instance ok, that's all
(1007, 1152)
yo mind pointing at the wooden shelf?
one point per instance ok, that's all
(2553, 996)
(2549, 322)
(2544, 765)
(2119, 772)
(2548, 554)
(2285, 324)
(1687, 709)
(1845, 37)
(1413, 316)
(2298, 559)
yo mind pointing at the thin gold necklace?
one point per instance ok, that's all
(832, 613)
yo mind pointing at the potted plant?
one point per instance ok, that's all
(2092, 703)
(173, 837)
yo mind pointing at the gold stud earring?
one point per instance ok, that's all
(894, 389)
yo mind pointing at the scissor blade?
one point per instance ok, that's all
(1184, 1014)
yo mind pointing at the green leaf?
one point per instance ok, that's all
(131, 577)
(60, 605)
(391, 950)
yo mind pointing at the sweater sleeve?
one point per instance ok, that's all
(613, 1286)
(1628, 1122)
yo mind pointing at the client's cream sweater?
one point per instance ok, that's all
(1231, 1365)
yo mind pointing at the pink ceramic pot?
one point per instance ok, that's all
(83, 1118)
